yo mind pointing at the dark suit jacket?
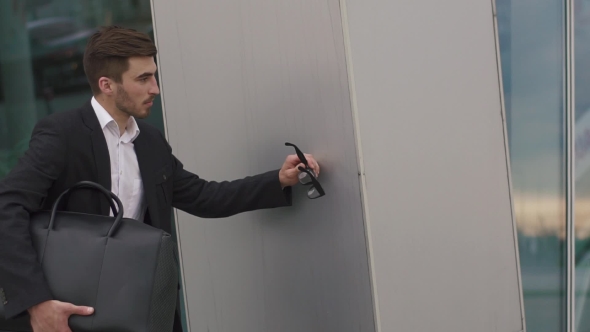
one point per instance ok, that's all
(69, 147)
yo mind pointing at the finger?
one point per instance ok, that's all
(293, 172)
(313, 164)
(80, 310)
(296, 168)
(292, 160)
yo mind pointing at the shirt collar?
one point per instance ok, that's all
(104, 118)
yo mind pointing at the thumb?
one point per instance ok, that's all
(295, 170)
(80, 310)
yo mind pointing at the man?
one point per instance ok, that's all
(103, 142)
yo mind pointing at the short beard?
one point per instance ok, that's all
(125, 105)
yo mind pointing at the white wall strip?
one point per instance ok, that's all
(570, 171)
(361, 168)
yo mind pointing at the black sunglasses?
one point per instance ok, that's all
(308, 176)
(316, 190)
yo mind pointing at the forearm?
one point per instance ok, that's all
(209, 199)
(21, 194)
(21, 275)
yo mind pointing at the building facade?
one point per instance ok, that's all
(412, 109)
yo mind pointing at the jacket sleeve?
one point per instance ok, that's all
(21, 193)
(211, 199)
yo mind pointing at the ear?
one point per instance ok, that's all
(106, 85)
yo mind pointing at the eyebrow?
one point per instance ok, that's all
(146, 74)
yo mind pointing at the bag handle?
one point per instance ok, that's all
(84, 185)
(92, 185)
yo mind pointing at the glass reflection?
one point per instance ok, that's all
(41, 48)
(582, 163)
(42, 44)
(532, 52)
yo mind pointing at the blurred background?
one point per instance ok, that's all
(41, 50)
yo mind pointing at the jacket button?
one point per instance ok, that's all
(164, 177)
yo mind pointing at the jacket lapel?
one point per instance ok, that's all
(101, 152)
(143, 153)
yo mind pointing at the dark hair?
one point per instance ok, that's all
(108, 51)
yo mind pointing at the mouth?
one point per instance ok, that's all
(149, 103)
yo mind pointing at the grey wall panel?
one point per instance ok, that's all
(441, 231)
(239, 79)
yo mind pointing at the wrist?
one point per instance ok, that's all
(282, 180)
(31, 310)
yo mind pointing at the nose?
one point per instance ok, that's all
(154, 89)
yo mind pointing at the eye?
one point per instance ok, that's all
(144, 79)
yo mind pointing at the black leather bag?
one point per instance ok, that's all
(126, 270)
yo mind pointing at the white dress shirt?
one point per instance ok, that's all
(126, 180)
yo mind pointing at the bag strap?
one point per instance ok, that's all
(118, 213)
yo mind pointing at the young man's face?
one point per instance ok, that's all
(138, 88)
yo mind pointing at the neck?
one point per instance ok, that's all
(120, 117)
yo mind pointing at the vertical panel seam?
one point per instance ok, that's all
(166, 134)
(360, 161)
(570, 185)
(507, 159)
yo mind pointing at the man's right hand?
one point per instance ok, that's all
(53, 316)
